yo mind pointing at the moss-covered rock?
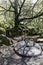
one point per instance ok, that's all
(2, 31)
(41, 63)
(4, 40)
(32, 31)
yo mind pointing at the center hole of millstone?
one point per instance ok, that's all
(27, 46)
(29, 43)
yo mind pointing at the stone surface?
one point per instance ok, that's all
(40, 39)
(27, 49)
(9, 57)
(6, 51)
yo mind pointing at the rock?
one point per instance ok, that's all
(6, 51)
(22, 49)
(5, 62)
(9, 57)
(1, 59)
(40, 40)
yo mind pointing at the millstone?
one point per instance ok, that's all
(27, 49)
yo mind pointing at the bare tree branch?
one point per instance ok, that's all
(6, 9)
(12, 4)
(3, 7)
(21, 7)
(35, 4)
(36, 16)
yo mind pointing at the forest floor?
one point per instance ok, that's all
(9, 57)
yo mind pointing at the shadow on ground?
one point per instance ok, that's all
(14, 60)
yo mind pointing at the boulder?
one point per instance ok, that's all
(22, 49)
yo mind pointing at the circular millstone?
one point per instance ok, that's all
(27, 49)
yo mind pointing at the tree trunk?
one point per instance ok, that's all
(17, 24)
(16, 13)
(16, 28)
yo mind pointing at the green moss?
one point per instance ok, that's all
(4, 40)
(41, 63)
(2, 31)
(13, 32)
(32, 31)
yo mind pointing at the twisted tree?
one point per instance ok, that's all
(18, 6)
